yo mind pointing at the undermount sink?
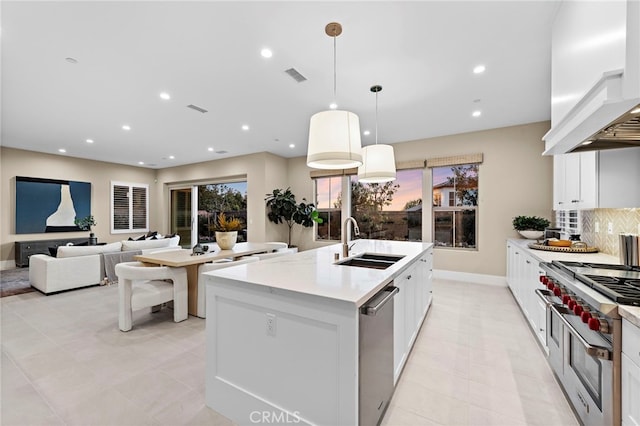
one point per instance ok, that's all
(371, 260)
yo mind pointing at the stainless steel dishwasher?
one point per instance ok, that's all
(376, 356)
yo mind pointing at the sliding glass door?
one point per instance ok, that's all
(195, 209)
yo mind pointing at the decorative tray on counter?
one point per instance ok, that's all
(536, 246)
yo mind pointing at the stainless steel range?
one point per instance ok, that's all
(584, 333)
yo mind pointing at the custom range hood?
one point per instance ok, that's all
(608, 114)
(602, 119)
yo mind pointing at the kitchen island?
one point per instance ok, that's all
(282, 334)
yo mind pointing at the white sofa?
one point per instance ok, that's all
(82, 266)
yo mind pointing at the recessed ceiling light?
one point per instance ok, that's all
(126, 127)
(587, 142)
(479, 69)
(210, 149)
(291, 145)
(476, 113)
(141, 162)
(333, 105)
(171, 157)
(266, 53)
(245, 127)
(366, 133)
(89, 140)
(62, 150)
(165, 96)
(71, 60)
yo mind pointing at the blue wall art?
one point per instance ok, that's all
(50, 205)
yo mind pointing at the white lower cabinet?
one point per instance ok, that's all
(630, 374)
(523, 278)
(410, 307)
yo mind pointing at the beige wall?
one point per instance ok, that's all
(16, 162)
(263, 172)
(514, 180)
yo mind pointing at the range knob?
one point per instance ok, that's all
(544, 279)
(578, 309)
(565, 299)
(599, 324)
(571, 304)
(585, 316)
(557, 292)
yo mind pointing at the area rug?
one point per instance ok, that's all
(15, 281)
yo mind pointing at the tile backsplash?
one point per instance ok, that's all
(622, 221)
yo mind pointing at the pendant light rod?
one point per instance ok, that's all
(375, 89)
(334, 29)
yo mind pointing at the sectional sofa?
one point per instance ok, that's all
(82, 266)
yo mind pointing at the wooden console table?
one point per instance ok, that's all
(24, 249)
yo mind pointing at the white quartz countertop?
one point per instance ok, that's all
(314, 272)
(548, 256)
(631, 313)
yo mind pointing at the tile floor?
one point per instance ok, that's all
(65, 362)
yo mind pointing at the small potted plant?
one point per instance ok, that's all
(85, 224)
(530, 227)
(227, 231)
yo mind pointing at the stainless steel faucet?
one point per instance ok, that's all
(345, 241)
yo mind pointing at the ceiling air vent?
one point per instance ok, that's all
(294, 74)
(197, 108)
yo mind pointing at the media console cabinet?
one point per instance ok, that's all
(24, 249)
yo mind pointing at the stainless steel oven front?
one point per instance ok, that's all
(587, 369)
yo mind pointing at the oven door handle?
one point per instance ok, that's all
(542, 294)
(593, 350)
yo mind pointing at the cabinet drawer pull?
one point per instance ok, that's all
(408, 277)
(528, 262)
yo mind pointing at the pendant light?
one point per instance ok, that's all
(334, 135)
(379, 163)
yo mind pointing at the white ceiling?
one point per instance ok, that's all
(208, 54)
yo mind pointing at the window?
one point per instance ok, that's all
(391, 210)
(386, 211)
(129, 207)
(455, 224)
(328, 196)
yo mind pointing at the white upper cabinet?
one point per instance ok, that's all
(575, 181)
(595, 69)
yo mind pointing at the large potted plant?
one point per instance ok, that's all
(282, 207)
(530, 227)
(227, 231)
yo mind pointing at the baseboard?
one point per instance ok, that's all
(469, 277)
(7, 264)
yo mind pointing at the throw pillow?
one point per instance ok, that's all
(151, 234)
(141, 238)
(53, 251)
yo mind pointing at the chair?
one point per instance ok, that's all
(282, 252)
(141, 286)
(201, 308)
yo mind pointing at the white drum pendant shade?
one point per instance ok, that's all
(334, 140)
(379, 164)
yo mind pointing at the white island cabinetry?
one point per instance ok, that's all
(410, 308)
(283, 334)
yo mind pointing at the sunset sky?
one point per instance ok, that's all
(410, 182)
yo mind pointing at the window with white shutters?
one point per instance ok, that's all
(129, 207)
